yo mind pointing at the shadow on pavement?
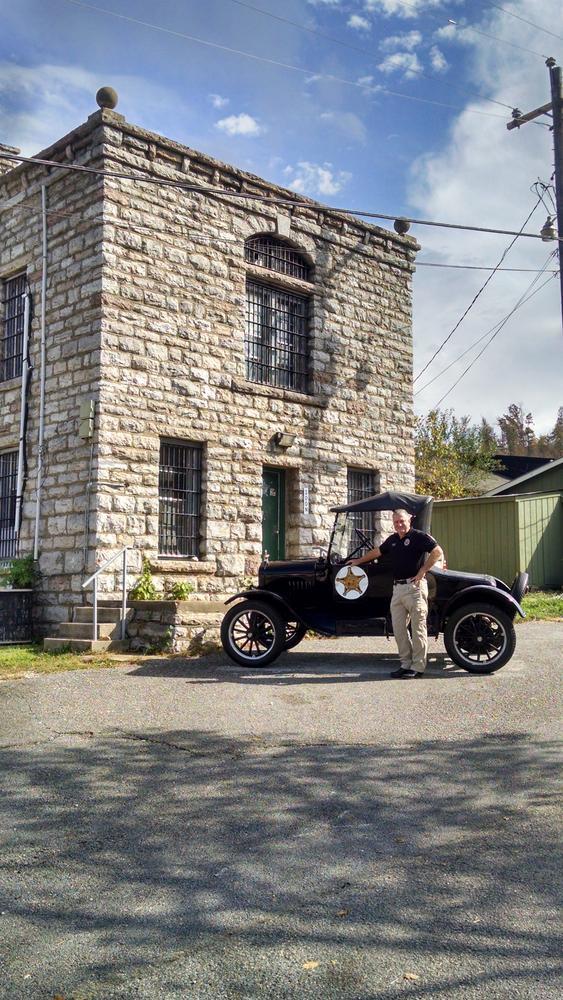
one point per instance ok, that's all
(228, 863)
(297, 668)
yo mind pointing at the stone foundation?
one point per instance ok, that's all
(188, 627)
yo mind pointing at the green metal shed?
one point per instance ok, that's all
(504, 535)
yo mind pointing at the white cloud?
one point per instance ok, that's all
(358, 23)
(438, 60)
(407, 42)
(316, 179)
(347, 123)
(218, 101)
(482, 176)
(242, 124)
(396, 8)
(402, 62)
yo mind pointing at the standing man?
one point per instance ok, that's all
(412, 554)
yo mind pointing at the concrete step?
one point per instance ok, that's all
(83, 630)
(105, 614)
(86, 645)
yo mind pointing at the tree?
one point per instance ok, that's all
(517, 431)
(452, 455)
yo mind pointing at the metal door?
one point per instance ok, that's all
(273, 512)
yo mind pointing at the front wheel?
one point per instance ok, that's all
(480, 638)
(253, 634)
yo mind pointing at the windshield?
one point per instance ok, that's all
(343, 541)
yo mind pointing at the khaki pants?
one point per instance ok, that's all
(410, 602)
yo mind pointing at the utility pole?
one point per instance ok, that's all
(556, 107)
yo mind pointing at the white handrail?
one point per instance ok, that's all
(123, 553)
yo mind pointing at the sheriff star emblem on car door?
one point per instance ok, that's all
(350, 582)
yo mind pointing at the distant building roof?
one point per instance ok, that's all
(514, 466)
(529, 476)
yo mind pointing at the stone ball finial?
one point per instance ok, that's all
(401, 226)
(106, 98)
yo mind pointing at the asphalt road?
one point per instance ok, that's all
(313, 830)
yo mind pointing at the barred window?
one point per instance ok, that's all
(179, 495)
(11, 341)
(8, 480)
(276, 342)
(265, 251)
(363, 483)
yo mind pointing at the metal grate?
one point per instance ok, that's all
(11, 344)
(275, 255)
(363, 483)
(179, 493)
(15, 616)
(276, 342)
(8, 481)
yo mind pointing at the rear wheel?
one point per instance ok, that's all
(294, 633)
(253, 634)
(480, 638)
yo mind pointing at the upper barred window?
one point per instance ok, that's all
(11, 336)
(265, 251)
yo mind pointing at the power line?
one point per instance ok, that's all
(475, 297)
(525, 20)
(356, 48)
(250, 196)
(501, 326)
(184, 230)
(274, 62)
(487, 333)
(477, 31)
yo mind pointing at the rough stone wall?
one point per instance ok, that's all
(145, 314)
(173, 358)
(72, 326)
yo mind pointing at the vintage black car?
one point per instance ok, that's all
(475, 612)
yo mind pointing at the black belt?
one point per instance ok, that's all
(410, 580)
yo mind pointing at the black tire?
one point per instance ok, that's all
(519, 587)
(294, 633)
(253, 633)
(480, 638)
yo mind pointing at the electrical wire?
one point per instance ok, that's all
(477, 31)
(274, 62)
(358, 48)
(501, 326)
(299, 201)
(184, 230)
(525, 20)
(475, 297)
(487, 333)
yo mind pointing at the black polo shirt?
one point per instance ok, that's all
(407, 554)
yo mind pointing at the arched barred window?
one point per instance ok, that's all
(277, 315)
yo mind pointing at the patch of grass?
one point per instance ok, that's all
(31, 658)
(543, 605)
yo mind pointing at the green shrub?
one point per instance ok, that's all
(144, 589)
(22, 574)
(179, 591)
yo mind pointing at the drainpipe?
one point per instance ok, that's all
(41, 371)
(21, 445)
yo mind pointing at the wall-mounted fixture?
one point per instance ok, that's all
(284, 440)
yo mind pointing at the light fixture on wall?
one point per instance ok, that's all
(284, 440)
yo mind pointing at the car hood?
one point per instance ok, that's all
(463, 577)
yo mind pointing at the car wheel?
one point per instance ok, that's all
(294, 633)
(480, 638)
(253, 634)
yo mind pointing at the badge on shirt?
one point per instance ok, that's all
(407, 541)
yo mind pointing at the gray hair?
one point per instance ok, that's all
(401, 510)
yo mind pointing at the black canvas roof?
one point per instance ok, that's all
(387, 501)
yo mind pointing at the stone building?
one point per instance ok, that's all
(193, 362)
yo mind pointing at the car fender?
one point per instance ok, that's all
(269, 597)
(492, 595)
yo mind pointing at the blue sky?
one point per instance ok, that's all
(383, 105)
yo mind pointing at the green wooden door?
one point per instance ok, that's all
(273, 512)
